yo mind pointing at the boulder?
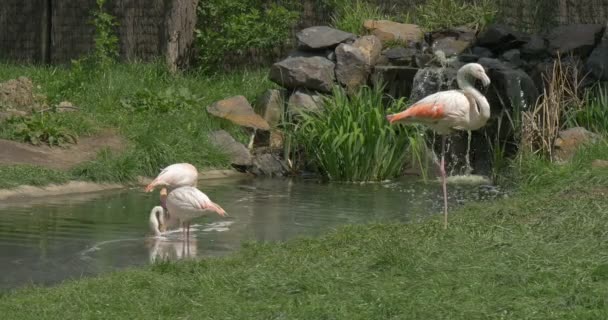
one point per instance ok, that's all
(271, 105)
(239, 155)
(387, 30)
(307, 54)
(513, 57)
(371, 46)
(462, 33)
(568, 141)
(499, 37)
(352, 69)
(597, 63)
(266, 164)
(316, 73)
(397, 79)
(321, 37)
(450, 46)
(303, 100)
(482, 52)
(432, 79)
(238, 110)
(400, 55)
(578, 39)
(535, 48)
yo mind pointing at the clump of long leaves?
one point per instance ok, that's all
(350, 139)
(592, 114)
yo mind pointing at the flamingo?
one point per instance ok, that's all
(175, 175)
(157, 220)
(446, 111)
(186, 203)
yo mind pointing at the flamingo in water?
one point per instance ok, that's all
(175, 175)
(446, 111)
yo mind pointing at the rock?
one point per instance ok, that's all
(400, 55)
(535, 48)
(387, 30)
(450, 46)
(462, 33)
(398, 80)
(272, 139)
(66, 106)
(432, 79)
(268, 165)
(307, 54)
(578, 39)
(482, 52)
(314, 73)
(568, 141)
(500, 38)
(303, 100)
(321, 37)
(512, 56)
(239, 154)
(238, 110)
(371, 46)
(18, 94)
(352, 69)
(599, 164)
(271, 105)
(468, 57)
(597, 63)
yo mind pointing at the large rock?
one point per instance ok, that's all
(371, 46)
(271, 105)
(535, 48)
(303, 101)
(314, 73)
(450, 46)
(569, 141)
(397, 80)
(239, 155)
(499, 37)
(238, 110)
(321, 37)
(430, 80)
(597, 63)
(266, 164)
(400, 55)
(387, 30)
(578, 39)
(352, 69)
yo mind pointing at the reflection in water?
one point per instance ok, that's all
(70, 237)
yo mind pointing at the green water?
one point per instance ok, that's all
(47, 241)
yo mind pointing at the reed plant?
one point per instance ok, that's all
(350, 139)
(592, 112)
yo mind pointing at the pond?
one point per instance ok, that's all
(46, 241)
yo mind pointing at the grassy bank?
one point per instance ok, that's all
(541, 254)
(162, 117)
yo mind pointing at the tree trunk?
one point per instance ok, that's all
(180, 25)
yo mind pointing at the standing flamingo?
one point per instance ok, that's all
(175, 175)
(445, 111)
(187, 203)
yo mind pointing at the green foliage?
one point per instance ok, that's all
(592, 115)
(40, 128)
(351, 139)
(106, 41)
(170, 100)
(17, 175)
(108, 167)
(439, 14)
(350, 16)
(232, 28)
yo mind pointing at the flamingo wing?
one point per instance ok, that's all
(175, 175)
(444, 109)
(192, 199)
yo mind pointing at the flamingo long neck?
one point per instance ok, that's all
(481, 111)
(156, 220)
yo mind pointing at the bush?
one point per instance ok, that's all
(350, 17)
(592, 114)
(231, 28)
(40, 128)
(439, 14)
(352, 141)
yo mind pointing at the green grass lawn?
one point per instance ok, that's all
(540, 254)
(162, 116)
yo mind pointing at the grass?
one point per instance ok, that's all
(351, 140)
(350, 16)
(162, 116)
(536, 255)
(16, 175)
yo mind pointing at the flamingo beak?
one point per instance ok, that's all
(485, 80)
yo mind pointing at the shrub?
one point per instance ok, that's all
(439, 14)
(40, 128)
(592, 113)
(350, 140)
(231, 28)
(350, 17)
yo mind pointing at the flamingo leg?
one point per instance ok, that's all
(444, 183)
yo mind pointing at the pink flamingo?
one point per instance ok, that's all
(445, 111)
(175, 175)
(187, 203)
